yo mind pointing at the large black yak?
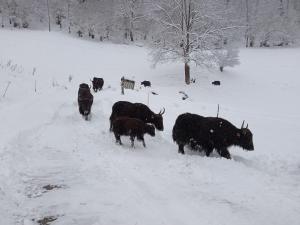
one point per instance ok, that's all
(85, 100)
(97, 84)
(209, 133)
(132, 127)
(137, 110)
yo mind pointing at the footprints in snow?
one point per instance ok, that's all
(35, 192)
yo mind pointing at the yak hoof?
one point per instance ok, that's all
(181, 152)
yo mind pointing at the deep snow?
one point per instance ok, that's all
(44, 140)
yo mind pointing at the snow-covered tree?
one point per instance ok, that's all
(189, 31)
(260, 22)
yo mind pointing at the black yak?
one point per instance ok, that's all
(208, 133)
(97, 83)
(135, 128)
(137, 110)
(146, 83)
(85, 100)
(216, 82)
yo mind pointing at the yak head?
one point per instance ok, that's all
(150, 129)
(86, 107)
(157, 120)
(84, 85)
(245, 138)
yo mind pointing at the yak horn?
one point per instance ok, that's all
(243, 124)
(161, 112)
(247, 126)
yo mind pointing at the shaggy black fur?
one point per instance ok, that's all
(146, 83)
(132, 127)
(136, 110)
(97, 84)
(216, 82)
(208, 133)
(85, 100)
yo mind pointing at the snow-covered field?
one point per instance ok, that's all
(45, 142)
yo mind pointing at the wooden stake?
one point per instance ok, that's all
(6, 89)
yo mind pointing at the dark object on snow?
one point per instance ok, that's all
(185, 96)
(137, 110)
(193, 80)
(97, 83)
(209, 133)
(85, 100)
(216, 82)
(46, 220)
(135, 128)
(146, 83)
(80, 34)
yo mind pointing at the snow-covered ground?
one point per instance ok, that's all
(44, 141)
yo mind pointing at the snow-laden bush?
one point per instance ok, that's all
(227, 57)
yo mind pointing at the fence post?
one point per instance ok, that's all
(122, 85)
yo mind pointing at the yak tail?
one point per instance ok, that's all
(111, 122)
(174, 136)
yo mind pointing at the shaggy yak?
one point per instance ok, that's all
(97, 83)
(139, 111)
(85, 100)
(216, 82)
(208, 133)
(146, 83)
(132, 127)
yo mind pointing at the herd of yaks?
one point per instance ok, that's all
(198, 132)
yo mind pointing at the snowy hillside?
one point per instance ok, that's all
(56, 167)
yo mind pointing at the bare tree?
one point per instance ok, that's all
(189, 30)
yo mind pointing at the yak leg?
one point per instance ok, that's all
(181, 148)
(208, 150)
(143, 142)
(223, 152)
(141, 138)
(132, 141)
(80, 110)
(118, 139)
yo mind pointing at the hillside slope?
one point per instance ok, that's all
(55, 165)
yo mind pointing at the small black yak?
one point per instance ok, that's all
(97, 83)
(132, 127)
(137, 110)
(146, 83)
(85, 100)
(216, 82)
(208, 133)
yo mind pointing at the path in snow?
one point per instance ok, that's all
(44, 141)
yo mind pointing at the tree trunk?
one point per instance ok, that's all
(187, 73)
(49, 23)
(131, 36)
